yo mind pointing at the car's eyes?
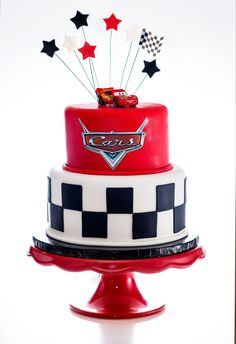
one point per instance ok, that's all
(119, 93)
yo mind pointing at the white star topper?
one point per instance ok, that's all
(133, 34)
(70, 43)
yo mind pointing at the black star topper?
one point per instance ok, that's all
(80, 19)
(49, 48)
(150, 68)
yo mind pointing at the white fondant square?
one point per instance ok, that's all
(119, 228)
(72, 224)
(179, 192)
(165, 224)
(94, 200)
(144, 197)
(56, 191)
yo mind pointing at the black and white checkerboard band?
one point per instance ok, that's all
(119, 200)
(150, 42)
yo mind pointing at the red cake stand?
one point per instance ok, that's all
(117, 295)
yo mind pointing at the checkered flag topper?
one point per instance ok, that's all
(150, 42)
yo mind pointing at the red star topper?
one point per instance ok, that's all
(87, 50)
(112, 22)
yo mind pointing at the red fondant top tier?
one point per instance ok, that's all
(119, 141)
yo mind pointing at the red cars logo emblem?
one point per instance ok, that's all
(113, 146)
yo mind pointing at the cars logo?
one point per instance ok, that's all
(113, 146)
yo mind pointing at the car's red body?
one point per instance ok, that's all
(117, 97)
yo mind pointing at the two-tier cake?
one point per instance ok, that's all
(117, 196)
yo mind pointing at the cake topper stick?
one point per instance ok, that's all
(80, 20)
(150, 68)
(95, 73)
(90, 63)
(132, 67)
(111, 23)
(87, 51)
(75, 76)
(83, 69)
(122, 77)
(135, 58)
(131, 36)
(50, 48)
(110, 58)
(92, 70)
(85, 38)
(140, 84)
(71, 44)
(151, 43)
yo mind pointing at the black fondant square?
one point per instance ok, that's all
(179, 218)
(144, 225)
(165, 197)
(94, 225)
(56, 217)
(71, 196)
(49, 190)
(119, 200)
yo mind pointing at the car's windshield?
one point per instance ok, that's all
(120, 93)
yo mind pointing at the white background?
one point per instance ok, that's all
(196, 83)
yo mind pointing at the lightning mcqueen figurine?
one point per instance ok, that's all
(117, 97)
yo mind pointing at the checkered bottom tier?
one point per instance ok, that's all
(116, 210)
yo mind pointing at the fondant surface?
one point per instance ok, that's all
(117, 210)
(109, 140)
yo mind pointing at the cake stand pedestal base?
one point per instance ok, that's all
(117, 296)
